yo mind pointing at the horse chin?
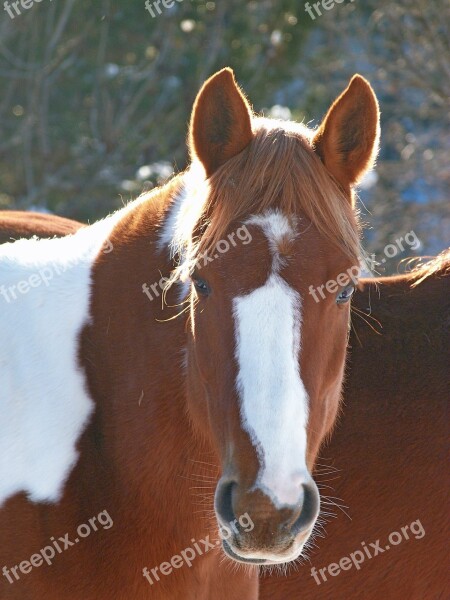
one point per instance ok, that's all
(241, 559)
(272, 560)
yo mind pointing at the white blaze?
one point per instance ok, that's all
(274, 403)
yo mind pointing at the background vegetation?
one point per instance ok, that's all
(95, 97)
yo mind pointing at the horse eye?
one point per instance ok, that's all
(201, 286)
(345, 294)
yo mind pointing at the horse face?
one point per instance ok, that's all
(267, 359)
(267, 338)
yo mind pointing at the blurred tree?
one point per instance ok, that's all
(403, 48)
(96, 97)
(93, 92)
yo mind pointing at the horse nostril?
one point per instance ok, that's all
(224, 501)
(308, 510)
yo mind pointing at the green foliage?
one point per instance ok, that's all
(94, 91)
(96, 97)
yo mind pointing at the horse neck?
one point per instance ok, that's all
(133, 352)
(408, 327)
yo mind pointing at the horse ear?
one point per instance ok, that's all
(220, 122)
(347, 140)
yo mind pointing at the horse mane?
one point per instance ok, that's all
(436, 267)
(278, 170)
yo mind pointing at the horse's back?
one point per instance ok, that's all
(18, 224)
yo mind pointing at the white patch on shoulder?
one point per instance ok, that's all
(184, 211)
(274, 402)
(180, 220)
(44, 404)
(173, 220)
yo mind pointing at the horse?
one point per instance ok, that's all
(166, 377)
(387, 457)
(413, 315)
(19, 224)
